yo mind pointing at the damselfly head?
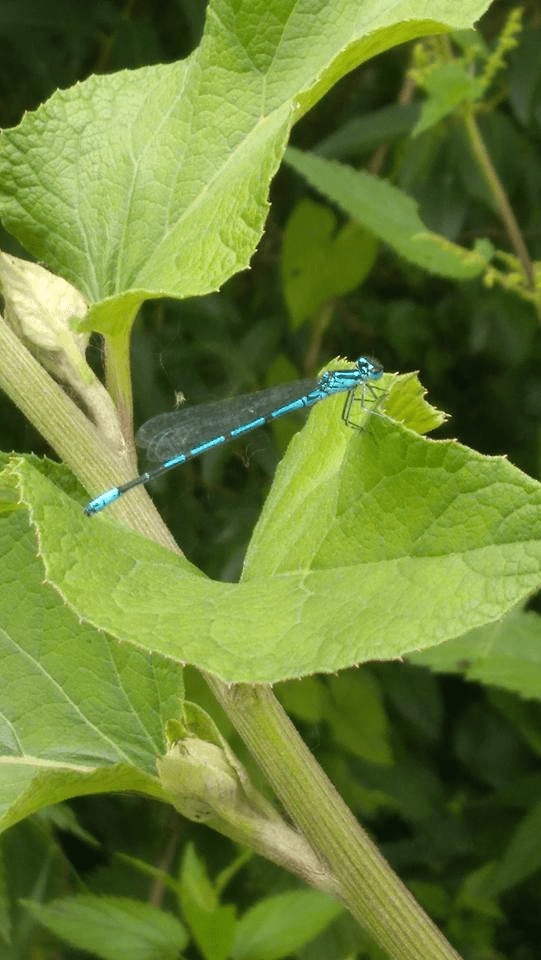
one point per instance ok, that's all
(369, 368)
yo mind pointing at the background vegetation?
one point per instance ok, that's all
(443, 769)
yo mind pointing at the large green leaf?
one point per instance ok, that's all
(371, 544)
(80, 713)
(154, 182)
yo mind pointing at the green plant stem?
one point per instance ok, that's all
(368, 887)
(364, 881)
(493, 181)
(405, 97)
(72, 435)
(118, 377)
(282, 844)
(318, 326)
